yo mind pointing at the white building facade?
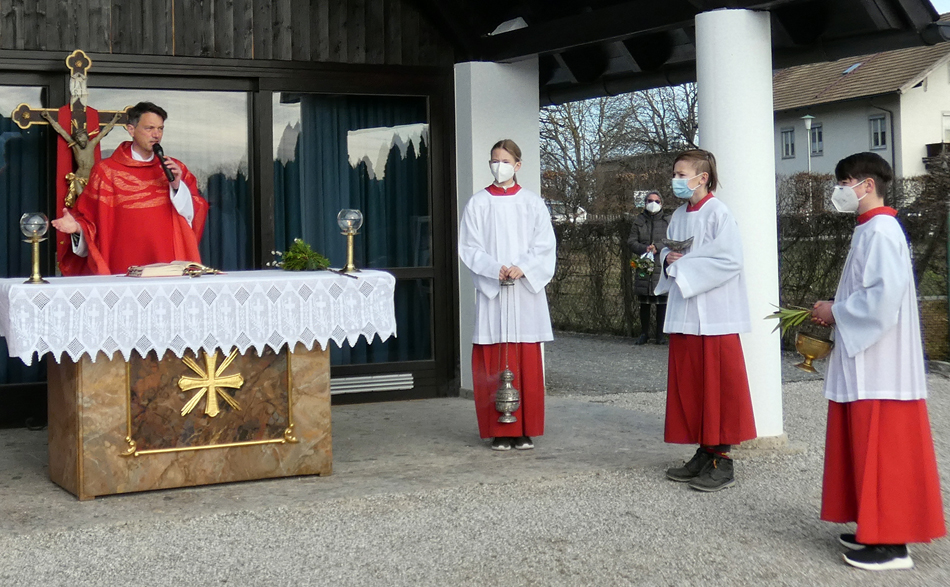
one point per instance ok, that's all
(895, 117)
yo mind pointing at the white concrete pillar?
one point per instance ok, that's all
(493, 101)
(734, 81)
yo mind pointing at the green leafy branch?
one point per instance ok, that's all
(300, 257)
(789, 318)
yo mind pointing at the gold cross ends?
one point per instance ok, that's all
(210, 382)
(78, 62)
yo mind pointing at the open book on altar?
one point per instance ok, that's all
(173, 269)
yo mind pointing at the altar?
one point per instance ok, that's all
(174, 382)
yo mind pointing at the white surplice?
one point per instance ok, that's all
(510, 230)
(878, 352)
(706, 286)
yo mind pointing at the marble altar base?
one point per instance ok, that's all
(96, 408)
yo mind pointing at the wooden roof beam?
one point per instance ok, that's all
(611, 23)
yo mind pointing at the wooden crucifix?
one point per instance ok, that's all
(78, 147)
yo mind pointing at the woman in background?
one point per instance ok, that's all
(649, 229)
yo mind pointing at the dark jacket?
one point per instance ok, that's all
(648, 229)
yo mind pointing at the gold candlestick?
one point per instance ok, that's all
(349, 222)
(34, 226)
(350, 267)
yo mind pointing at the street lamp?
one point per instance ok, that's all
(808, 118)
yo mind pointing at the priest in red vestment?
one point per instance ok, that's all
(130, 213)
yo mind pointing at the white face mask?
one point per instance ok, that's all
(845, 199)
(502, 171)
(653, 207)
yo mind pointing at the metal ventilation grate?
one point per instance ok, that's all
(362, 384)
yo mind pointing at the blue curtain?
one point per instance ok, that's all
(226, 242)
(312, 189)
(23, 188)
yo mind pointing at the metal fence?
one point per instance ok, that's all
(592, 289)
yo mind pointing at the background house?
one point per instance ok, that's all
(894, 103)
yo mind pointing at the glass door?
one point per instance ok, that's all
(24, 187)
(370, 153)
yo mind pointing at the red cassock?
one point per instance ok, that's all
(127, 217)
(881, 471)
(708, 400)
(525, 361)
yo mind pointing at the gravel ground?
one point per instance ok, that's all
(616, 522)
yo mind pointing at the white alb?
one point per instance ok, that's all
(509, 230)
(707, 291)
(878, 352)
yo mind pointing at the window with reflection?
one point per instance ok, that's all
(208, 132)
(23, 188)
(370, 153)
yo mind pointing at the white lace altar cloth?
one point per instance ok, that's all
(244, 309)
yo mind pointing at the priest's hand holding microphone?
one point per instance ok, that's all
(172, 169)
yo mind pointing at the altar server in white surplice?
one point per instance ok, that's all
(506, 233)
(708, 401)
(880, 468)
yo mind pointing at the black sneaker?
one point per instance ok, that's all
(691, 469)
(880, 557)
(642, 340)
(524, 443)
(662, 340)
(717, 474)
(850, 541)
(501, 444)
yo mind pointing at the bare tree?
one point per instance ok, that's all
(598, 153)
(664, 119)
(575, 138)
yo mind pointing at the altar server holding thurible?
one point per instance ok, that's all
(506, 234)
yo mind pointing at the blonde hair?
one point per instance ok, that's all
(703, 162)
(510, 146)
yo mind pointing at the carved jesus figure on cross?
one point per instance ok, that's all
(80, 138)
(84, 152)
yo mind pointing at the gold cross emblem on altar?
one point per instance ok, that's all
(210, 382)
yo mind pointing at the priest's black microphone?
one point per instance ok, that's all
(160, 153)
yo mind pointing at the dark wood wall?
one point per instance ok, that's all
(335, 31)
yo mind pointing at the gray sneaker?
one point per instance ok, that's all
(691, 469)
(880, 557)
(501, 443)
(524, 443)
(717, 474)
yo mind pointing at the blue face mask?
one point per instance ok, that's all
(681, 187)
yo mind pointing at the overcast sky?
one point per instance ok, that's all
(942, 6)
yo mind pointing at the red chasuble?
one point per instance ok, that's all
(127, 217)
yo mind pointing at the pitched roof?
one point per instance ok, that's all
(874, 74)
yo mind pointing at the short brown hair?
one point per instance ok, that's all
(136, 112)
(703, 162)
(510, 146)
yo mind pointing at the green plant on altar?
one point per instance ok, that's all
(642, 266)
(789, 318)
(299, 257)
